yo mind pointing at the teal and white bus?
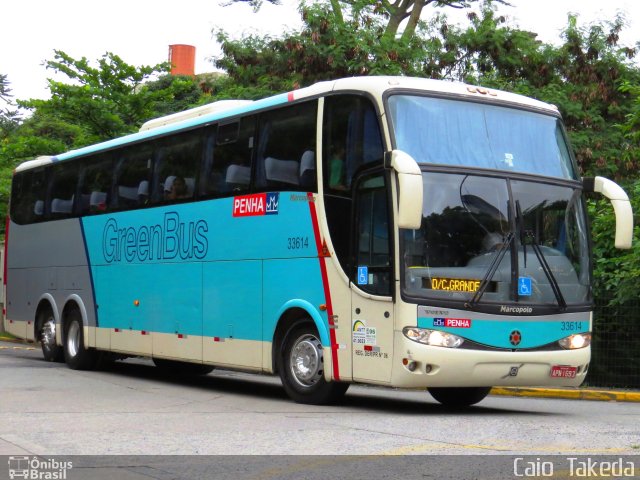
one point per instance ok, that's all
(382, 230)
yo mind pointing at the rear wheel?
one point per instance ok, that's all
(301, 368)
(77, 356)
(459, 396)
(175, 367)
(46, 322)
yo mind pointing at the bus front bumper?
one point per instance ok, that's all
(417, 365)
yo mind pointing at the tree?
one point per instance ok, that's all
(338, 38)
(8, 116)
(105, 101)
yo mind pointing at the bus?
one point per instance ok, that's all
(393, 231)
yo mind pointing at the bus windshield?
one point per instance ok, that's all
(463, 133)
(486, 239)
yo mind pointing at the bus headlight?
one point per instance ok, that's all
(435, 338)
(572, 342)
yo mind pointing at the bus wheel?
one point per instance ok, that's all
(77, 356)
(47, 334)
(302, 368)
(175, 367)
(459, 396)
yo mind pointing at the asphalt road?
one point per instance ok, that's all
(134, 409)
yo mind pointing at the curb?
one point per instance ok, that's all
(569, 394)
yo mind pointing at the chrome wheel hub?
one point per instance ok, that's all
(306, 360)
(48, 334)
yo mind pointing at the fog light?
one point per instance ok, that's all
(410, 364)
(573, 342)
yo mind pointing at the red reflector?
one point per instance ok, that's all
(116, 330)
(368, 348)
(563, 371)
(180, 335)
(144, 332)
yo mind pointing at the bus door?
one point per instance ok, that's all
(372, 280)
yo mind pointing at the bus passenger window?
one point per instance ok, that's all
(95, 186)
(177, 164)
(62, 190)
(27, 196)
(132, 176)
(229, 172)
(286, 159)
(351, 139)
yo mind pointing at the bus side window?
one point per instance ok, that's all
(62, 190)
(351, 139)
(372, 246)
(133, 173)
(176, 169)
(27, 196)
(229, 171)
(95, 185)
(286, 158)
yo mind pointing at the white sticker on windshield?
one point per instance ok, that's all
(508, 159)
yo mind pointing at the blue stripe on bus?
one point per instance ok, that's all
(204, 119)
(195, 269)
(498, 333)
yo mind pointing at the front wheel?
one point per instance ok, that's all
(459, 396)
(301, 367)
(77, 356)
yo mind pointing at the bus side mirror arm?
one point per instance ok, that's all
(621, 207)
(409, 188)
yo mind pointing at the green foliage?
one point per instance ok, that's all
(105, 101)
(93, 104)
(616, 272)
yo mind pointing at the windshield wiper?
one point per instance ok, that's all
(528, 234)
(491, 271)
(547, 270)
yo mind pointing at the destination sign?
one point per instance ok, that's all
(452, 284)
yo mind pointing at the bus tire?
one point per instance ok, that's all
(459, 396)
(186, 368)
(46, 334)
(301, 368)
(76, 355)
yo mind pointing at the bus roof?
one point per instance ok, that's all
(376, 86)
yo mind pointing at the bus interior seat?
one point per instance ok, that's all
(308, 169)
(60, 205)
(238, 175)
(168, 183)
(38, 208)
(98, 201)
(143, 191)
(284, 171)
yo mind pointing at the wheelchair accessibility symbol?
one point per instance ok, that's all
(524, 286)
(363, 275)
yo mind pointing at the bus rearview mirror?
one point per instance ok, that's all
(409, 189)
(621, 207)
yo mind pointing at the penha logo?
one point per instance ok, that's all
(255, 205)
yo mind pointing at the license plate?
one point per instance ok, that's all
(563, 371)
